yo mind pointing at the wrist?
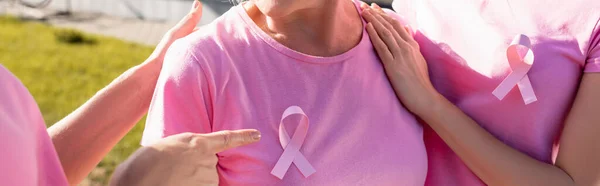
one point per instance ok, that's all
(152, 65)
(428, 103)
(146, 73)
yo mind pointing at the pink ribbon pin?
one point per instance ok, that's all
(520, 59)
(291, 152)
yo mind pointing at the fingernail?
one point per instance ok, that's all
(256, 135)
(364, 5)
(195, 5)
(375, 5)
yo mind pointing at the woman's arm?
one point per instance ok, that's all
(85, 136)
(491, 160)
(496, 163)
(181, 159)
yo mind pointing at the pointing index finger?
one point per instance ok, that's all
(224, 140)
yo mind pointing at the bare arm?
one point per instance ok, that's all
(490, 159)
(498, 164)
(85, 136)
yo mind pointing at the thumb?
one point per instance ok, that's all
(223, 140)
(189, 22)
(196, 8)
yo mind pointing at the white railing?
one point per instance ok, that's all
(169, 10)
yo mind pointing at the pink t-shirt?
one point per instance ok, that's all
(465, 42)
(28, 157)
(232, 75)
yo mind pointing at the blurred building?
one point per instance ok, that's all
(152, 10)
(163, 10)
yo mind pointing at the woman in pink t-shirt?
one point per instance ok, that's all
(500, 85)
(266, 59)
(29, 157)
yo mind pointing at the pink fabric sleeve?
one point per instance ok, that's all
(593, 59)
(181, 98)
(28, 156)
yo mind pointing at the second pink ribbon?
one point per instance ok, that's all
(520, 58)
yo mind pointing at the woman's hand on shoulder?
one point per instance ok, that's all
(399, 52)
(184, 27)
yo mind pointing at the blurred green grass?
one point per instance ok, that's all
(62, 74)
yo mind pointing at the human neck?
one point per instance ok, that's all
(331, 28)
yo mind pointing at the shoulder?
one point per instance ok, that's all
(217, 38)
(21, 126)
(578, 19)
(18, 106)
(208, 48)
(14, 94)
(212, 46)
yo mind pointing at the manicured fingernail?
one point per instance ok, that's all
(256, 135)
(195, 5)
(364, 5)
(374, 5)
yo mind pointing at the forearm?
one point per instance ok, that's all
(86, 135)
(490, 159)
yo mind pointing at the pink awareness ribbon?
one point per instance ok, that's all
(520, 58)
(291, 152)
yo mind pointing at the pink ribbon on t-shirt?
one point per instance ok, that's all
(520, 58)
(291, 152)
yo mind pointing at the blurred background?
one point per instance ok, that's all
(64, 51)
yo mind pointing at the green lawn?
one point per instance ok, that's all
(61, 75)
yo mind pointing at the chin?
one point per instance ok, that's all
(276, 8)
